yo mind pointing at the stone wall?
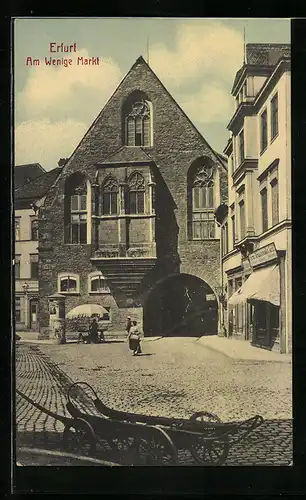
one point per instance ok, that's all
(176, 145)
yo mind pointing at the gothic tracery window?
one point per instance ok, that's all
(202, 204)
(76, 210)
(110, 191)
(136, 194)
(138, 124)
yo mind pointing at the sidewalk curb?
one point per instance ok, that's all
(230, 355)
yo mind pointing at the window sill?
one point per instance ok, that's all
(204, 239)
(99, 293)
(69, 293)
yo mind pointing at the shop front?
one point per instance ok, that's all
(259, 299)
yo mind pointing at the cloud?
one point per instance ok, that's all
(214, 50)
(60, 92)
(211, 104)
(45, 142)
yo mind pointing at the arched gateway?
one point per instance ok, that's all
(181, 305)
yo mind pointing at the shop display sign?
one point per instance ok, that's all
(263, 255)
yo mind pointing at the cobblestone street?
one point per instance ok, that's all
(174, 377)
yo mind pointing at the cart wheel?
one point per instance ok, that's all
(79, 437)
(209, 451)
(157, 448)
(205, 416)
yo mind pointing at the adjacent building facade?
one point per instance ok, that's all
(256, 221)
(129, 221)
(31, 184)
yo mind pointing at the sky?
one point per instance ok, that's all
(196, 60)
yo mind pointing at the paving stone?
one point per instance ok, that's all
(175, 377)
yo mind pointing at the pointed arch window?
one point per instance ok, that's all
(202, 204)
(136, 194)
(138, 124)
(76, 210)
(110, 190)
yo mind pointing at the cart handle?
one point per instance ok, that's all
(78, 384)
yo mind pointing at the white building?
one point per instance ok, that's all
(256, 223)
(31, 184)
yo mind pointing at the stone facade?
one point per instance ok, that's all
(133, 253)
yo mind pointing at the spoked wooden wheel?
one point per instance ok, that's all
(210, 451)
(123, 444)
(79, 437)
(205, 417)
(156, 448)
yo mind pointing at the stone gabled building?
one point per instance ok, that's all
(129, 222)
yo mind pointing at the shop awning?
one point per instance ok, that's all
(263, 284)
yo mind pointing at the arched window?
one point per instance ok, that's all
(136, 194)
(68, 283)
(76, 210)
(110, 191)
(201, 203)
(97, 283)
(137, 118)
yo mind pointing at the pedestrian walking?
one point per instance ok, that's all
(128, 324)
(134, 339)
(101, 329)
(93, 332)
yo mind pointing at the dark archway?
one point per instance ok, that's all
(181, 305)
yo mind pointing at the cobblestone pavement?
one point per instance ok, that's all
(174, 377)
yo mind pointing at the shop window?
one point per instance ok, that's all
(110, 190)
(136, 193)
(68, 283)
(34, 230)
(34, 266)
(137, 120)
(274, 116)
(76, 210)
(17, 267)
(201, 203)
(263, 131)
(98, 284)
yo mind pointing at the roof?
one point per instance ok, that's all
(38, 187)
(264, 55)
(128, 154)
(140, 61)
(26, 173)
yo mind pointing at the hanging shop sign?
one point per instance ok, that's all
(263, 255)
